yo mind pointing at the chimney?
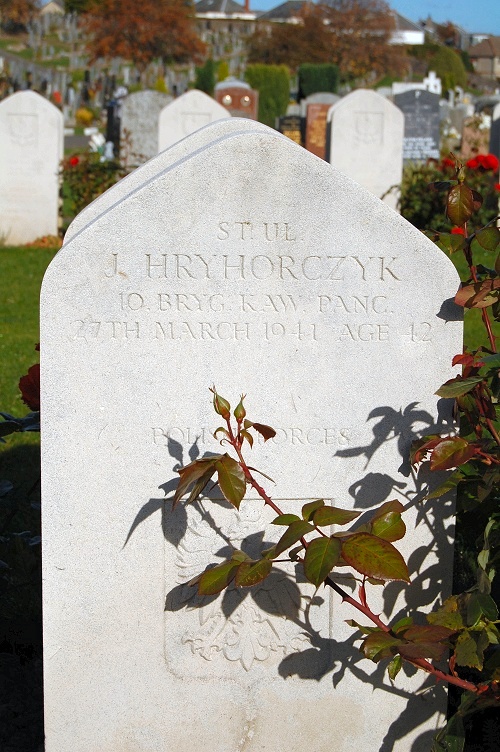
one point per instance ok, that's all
(247, 6)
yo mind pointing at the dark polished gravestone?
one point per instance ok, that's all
(291, 126)
(422, 117)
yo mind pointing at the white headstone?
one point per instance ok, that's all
(139, 124)
(153, 167)
(433, 83)
(253, 265)
(31, 148)
(187, 114)
(495, 131)
(400, 87)
(366, 141)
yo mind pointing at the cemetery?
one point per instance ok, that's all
(251, 389)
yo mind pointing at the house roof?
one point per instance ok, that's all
(404, 24)
(487, 48)
(229, 7)
(284, 12)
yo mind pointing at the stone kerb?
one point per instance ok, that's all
(286, 281)
(31, 148)
(187, 114)
(366, 142)
(139, 125)
(153, 167)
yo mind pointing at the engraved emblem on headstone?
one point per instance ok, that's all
(23, 129)
(369, 128)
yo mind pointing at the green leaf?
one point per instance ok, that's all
(394, 667)
(379, 645)
(193, 472)
(333, 516)
(265, 431)
(488, 238)
(447, 615)
(402, 624)
(374, 557)
(390, 526)
(247, 435)
(321, 556)
(250, 574)
(214, 580)
(309, 509)
(449, 484)
(484, 605)
(231, 480)
(362, 628)
(199, 486)
(450, 243)
(240, 556)
(285, 519)
(294, 553)
(466, 651)
(458, 386)
(460, 204)
(294, 533)
(452, 737)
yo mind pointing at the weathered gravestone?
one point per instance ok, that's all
(366, 142)
(139, 125)
(422, 125)
(31, 147)
(291, 126)
(475, 136)
(153, 167)
(316, 129)
(187, 114)
(284, 280)
(495, 131)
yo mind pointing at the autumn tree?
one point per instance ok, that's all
(308, 41)
(360, 38)
(15, 14)
(142, 31)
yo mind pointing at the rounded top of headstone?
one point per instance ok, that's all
(368, 100)
(28, 101)
(230, 83)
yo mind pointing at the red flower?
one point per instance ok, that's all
(488, 161)
(74, 161)
(30, 387)
(473, 164)
(497, 186)
(457, 231)
(447, 162)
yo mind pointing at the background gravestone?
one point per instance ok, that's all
(422, 125)
(187, 114)
(239, 99)
(291, 126)
(139, 125)
(495, 131)
(366, 142)
(31, 148)
(316, 129)
(319, 97)
(475, 137)
(245, 278)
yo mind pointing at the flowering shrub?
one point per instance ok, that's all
(424, 206)
(85, 177)
(84, 116)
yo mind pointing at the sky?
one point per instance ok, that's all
(473, 15)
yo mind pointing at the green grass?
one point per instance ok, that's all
(22, 270)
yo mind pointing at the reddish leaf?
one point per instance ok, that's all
(265, 431)
(425, 633)
(464, 359)
(480, 294)
(294, 533)
(248, 436)
(231, 479)
(421, 447)
(250, 574)
(321, 556)
(388, 506)
(451, 452)
(30, 387)
(333, 516)
(193, 472)
(374, 557)
(434, 650)
(460, 204)
(214, 580)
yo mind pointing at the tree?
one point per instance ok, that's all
(308, 41)
(273, 84)
(17, 13)
(449, 67)
(361, 32)
(142, 31)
